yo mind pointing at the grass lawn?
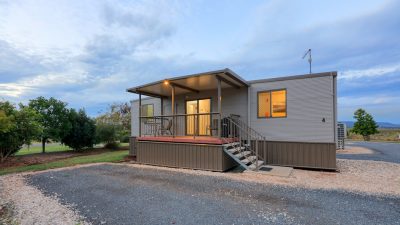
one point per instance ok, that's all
(54, 147)
(113, 156)
(38, 149)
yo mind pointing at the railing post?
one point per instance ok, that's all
(256, 154)
(140, 115)
(219, 106)
(173, 109)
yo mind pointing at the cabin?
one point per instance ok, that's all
(216, 120)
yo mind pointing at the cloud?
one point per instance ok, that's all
(371, 72)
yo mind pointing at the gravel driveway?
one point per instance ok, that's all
(382, 151)
(120, 194)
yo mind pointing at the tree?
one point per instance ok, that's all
(54, 118)
(82, 133)
(365, 124)
(117, 119)
(20, 127)
(106, 133)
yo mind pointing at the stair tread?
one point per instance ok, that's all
(242, 154)
(249, 159)
(233, 150)
(253, 165)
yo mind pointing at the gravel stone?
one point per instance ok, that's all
(137, 194)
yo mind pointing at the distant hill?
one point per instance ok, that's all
(350, 124)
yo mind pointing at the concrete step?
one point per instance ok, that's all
(249, 159)
(253, 165)
(242, 154)
(236, 149)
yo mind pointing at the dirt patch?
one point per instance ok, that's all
(40, 158)
(30, 206)
(355, 150)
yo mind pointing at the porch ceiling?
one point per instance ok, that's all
(191, 83)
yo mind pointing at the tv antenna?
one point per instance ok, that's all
(309, 57)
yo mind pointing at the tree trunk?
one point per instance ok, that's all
(43, 145)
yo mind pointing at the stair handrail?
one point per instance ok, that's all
(256, 136)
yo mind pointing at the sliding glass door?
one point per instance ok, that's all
(198, 124)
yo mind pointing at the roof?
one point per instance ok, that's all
(207, 81)
(302, 76)
(191, 83)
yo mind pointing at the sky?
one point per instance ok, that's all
(87, 53)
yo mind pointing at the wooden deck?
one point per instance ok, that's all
(189, 139)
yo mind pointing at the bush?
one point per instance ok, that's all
(82, 133)
(18, 127)
(106, 133)
(124, 136)
(112, 145)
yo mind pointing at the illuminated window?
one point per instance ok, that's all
(272, 104)
(147, 111)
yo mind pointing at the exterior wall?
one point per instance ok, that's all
(309, 100)
(184, 155)
(299, 154)
(135, 112)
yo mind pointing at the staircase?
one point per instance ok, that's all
(245, 149)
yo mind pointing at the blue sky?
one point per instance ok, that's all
(88, 52)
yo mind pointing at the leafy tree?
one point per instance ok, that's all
(116, 120)
(54, 118)
(106, 133)
(365, 124)
(82, 133)
(20, 127)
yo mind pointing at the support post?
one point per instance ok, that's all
(256, 154)
(140, 115)
(219, 108)
(173, 109)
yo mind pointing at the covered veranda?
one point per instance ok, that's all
(200, 122)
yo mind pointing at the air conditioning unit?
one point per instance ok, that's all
(341, 135)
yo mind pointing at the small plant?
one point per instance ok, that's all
(365, 124)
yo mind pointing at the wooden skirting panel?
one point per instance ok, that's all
(299, 154)
(184, 155)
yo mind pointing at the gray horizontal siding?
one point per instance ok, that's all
(309, 100)
(183, 155)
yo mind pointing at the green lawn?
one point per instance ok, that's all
(38, 149)
(113, 156)
(52, 148)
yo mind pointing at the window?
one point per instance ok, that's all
(272, 104)
(147, 110)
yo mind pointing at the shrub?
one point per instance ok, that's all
(82, 132)
(112, 145)
(18, 127)
(106, 133)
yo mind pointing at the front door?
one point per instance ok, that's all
(198, 120)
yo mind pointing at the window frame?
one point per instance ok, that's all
(141, 113)
(270, 103)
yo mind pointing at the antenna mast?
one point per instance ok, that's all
(309, 57)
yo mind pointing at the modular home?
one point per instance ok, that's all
(216, 120)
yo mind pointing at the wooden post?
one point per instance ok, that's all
(219, 108)
(140, 115)
(173, 109)
(162, 106)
